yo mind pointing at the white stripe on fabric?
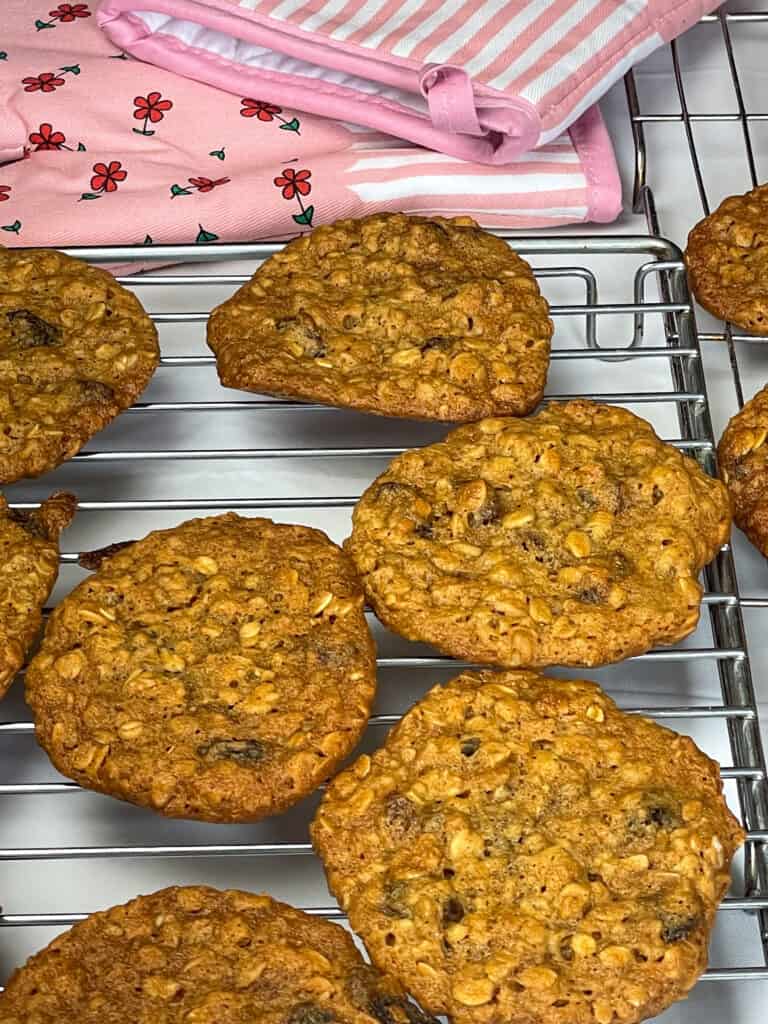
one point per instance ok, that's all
(557, 72)
(405, 10)
(287, 8)
(250, 4)
(385, 162)
(358, 19)
(445, 50)
(517, 211)
(546, 41)
(404, 46)
(466, 184)
(319, 18)
(640, 52)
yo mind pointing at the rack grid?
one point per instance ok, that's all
(655, 323)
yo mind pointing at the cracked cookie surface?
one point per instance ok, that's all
(29, 565)
(727, 259)
(417, 317)
(573, 537)
(743, 458)
(76, 349)
(197, 955)
(513, 853)
(219, 670)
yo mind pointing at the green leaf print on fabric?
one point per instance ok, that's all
(15, 228)
(205, 236)
(305, 217)
(148, 240)
(177, 190)
(218, 153)
(290, 126)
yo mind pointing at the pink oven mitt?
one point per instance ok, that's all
(484, 80)
(99, 148)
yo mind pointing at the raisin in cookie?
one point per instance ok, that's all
(727, 258)
(76, 349)
(513, 853)
(29, 565)
(573, 537)
(196, 955)
(743, 458)
(403, 316)
(220, 670)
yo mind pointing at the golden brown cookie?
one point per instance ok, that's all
(514, 853)
(29, 565)
(76, 348)
(196, 955)
(727, 259)
(219, 670)
(573, 537)
(743, 458)
(425, 318)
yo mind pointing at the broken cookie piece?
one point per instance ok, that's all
(29, 565)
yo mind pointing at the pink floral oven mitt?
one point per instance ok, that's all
(96, 147)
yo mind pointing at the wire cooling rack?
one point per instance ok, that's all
(625, 333)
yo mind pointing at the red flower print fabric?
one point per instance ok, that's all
(107, 176)
(257, 108)
(46, 138)
(63, 14)
(293, 185)
(291, 182)
(100, 148)
(150, 108)
(69, 12)
(268, 112)
(207, 184)
(46, 82)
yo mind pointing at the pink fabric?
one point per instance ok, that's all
(542, 62)
(97, 148)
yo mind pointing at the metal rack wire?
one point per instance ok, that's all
(657, 329)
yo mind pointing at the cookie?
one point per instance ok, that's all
(513, 853)
(219, 670)
(727, 260)
(743, 458)
(196, 955)
(425, 318)
(76, 349)
(573, 537)
(29, 565)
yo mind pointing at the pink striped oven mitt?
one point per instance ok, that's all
(96, 147)
(483, 80)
